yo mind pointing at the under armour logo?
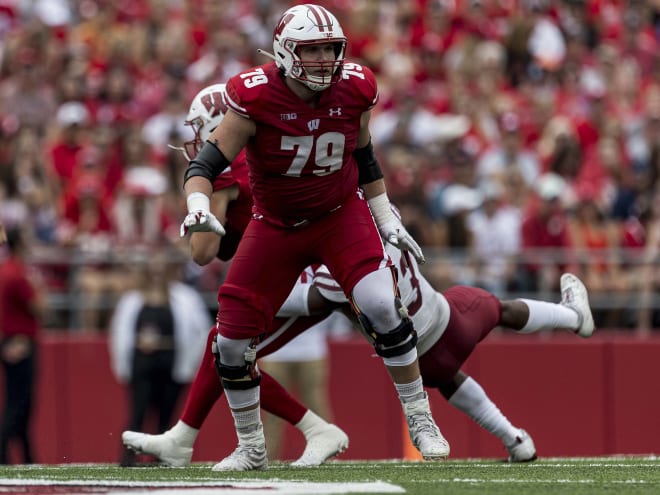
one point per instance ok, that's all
(334, 111)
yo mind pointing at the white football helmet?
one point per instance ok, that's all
(206, 111)
(308, 24)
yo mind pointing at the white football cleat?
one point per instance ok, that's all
(165, 447)
(322, 445)
(523, 449)
(424, 433)
(250, 455)
(574, 295)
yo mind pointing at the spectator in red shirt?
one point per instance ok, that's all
(21, 307)
(544, 236)
(72, 118)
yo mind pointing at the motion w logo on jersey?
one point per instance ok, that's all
(313, 125)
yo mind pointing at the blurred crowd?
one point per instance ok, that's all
(518, 137)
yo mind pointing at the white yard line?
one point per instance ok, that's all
(214, 488)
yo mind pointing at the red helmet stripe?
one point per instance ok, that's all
(328, 19)
(282, 24)
(317, 12)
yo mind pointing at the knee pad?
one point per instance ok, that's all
(238, 377)
(393, 343)
(372, 296)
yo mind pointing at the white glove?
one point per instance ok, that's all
(199, 217)
(396, 234)
(391, 228)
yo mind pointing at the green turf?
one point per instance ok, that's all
(616, 475)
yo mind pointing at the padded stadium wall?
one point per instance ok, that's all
(575, 397)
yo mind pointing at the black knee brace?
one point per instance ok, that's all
(237, 377)
(393, 343)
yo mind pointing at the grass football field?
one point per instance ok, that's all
(574, 476)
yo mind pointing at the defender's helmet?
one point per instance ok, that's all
(206, 111)
(303, 25)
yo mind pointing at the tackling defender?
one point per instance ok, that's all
(452, 323)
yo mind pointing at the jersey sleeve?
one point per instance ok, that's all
(243, 91)
(224, 180)
(364, 87)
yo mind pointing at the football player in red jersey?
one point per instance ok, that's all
(447, 333)
(444, 343)
(232, 202)
(303, 120)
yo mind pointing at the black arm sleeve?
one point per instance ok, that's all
(367, 164)
(208, 163)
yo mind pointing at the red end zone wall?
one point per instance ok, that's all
(575, 397)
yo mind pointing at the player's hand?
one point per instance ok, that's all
(201, 221)
(396, 234)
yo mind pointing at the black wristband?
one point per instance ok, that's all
(368, 166)
(208, 163)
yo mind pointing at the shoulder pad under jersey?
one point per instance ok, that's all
(247, 88)
(362, 83)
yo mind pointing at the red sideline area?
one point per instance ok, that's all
(575, 397)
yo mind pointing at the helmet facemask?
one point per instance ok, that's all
(192, 147)
(307, 72)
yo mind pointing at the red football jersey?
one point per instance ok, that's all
(239, 211)
(301, 159)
